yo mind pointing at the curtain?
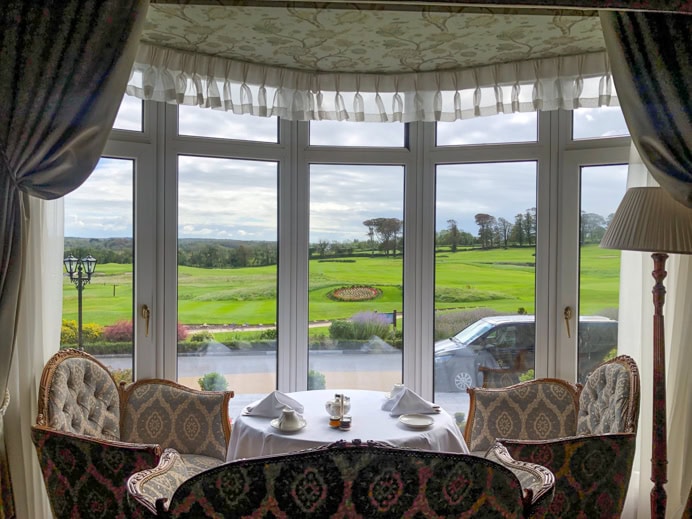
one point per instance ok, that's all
(178, 77)
(651, 55)
(43, 278)
(636, 339)
(64, 70)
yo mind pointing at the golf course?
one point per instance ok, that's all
(499, 279)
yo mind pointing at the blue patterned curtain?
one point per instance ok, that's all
(650, 55)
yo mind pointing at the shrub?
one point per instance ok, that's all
(316, 380)
(341, 330)
(460, 419)
(91, 332)
(182, 332)
(451, 323)
(268, 334)
(213, 382)
(68, 332)
(202, 336)
(526, 376)
(397, 339)
(124, 331)
(367, 324)
(122, 375)
(121, 331)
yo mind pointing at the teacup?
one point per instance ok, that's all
(289, 419)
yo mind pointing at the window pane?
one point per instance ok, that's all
(494, 129)
(98, 222)
(602, 188)
(484, 277)
(591, 123)
(355, 276)
(205, 122)
(227, 274)
(344, 133)
(129, 115)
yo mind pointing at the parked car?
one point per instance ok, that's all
(508, 341)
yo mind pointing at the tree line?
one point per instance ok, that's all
(384, 236)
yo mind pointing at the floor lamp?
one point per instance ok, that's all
(650, 220)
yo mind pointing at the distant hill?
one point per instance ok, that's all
(183, 243)
(196, 252)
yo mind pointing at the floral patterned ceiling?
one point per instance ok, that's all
(359, 38)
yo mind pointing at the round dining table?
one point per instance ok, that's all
(253, 436)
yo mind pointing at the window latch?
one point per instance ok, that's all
(568, 316)
(146, 313)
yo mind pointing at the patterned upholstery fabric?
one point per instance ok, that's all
(175, 417)
(347, 480)
(592, 473)
(83, 399)
(497, 377)
(167, 480)
(534, 410)
(196, 463)
(604, 402)
(89, 457)
(85, 477)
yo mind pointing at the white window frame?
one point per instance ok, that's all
(558, 160)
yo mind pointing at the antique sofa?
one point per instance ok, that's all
(92, 434)
(346, 479)
(585, 435)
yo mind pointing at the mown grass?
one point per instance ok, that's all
(502, 280)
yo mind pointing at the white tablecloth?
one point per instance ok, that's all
(253, 436)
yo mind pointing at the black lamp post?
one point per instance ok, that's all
(77, 268)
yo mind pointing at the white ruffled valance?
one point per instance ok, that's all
(178, 77)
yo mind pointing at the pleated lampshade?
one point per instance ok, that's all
(649, 219)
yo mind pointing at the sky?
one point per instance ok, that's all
(237, 199)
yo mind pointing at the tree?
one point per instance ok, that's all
(518, 230)
(453, 234)
(371, 234)
(322, 247)
(485, 223)
(530, 225)
(504, 228)
(386, 230)
(592, 227)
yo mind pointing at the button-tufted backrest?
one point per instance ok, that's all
(80, 396)
(609, 402)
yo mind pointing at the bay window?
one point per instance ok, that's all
(325, 254)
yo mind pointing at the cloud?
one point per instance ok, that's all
(238, 198)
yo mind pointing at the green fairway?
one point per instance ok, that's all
(503, 280)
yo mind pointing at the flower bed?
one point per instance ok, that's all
(355, 293)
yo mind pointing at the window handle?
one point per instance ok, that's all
(568, 316)
(146, 314)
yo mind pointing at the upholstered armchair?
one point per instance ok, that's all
(92, 434)
(590, 451)
(345, 479)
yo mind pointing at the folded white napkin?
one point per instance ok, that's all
(407, 401)
(272, 405)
